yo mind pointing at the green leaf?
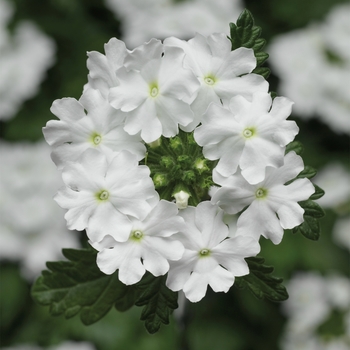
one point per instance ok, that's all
(77, 286)
(158, 301)
(308, 172)
(295, 146)
(310, 228)
(246, 34)
(261, 283)
(319, 192)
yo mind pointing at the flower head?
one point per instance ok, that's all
(88, 123)
(147, 248)
(210, 258)
(266, 199)
(249, 134)
(222, 73)
(101, 194)
(155, 97)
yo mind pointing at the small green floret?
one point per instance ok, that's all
(160, 180)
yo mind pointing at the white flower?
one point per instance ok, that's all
(221, 72)
(100, 127)
(102, 68)
(154, 97)
(266, 199)
(252, 134)
(209, 258)
(101, 193)
(148, 247)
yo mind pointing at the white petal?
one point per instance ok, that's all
(67, 109)
(130, 93)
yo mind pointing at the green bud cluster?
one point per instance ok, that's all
(179, 161)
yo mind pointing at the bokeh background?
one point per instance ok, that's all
(43, 45)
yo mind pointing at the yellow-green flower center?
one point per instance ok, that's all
(248, 132)
(210, 80)
(136, 235)
(102, 195)
(204, 252)
(96, 138)
(261, 193)
(153, 90)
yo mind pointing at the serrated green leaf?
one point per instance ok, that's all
(158, 301)
(263, 71)
(259, 44)
(77, 286)
(308, 172)
(261, 57)
(126, 301)
(310, 228)
(261, 283)
(246, 34)
(295, 146)
(319, 192)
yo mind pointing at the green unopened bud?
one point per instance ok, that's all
(160, 180)
(175, 142)
(188, 176)
(167, 161)
(201, 165)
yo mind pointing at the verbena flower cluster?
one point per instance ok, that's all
(155, 129)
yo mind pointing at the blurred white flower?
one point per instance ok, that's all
(173, 18)
(334, 180)
(307, 306)
(338, 288)
(32, 230)
(312, 299)
(67, 345)
(341, 232)
(24, 59)
(320, 54)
